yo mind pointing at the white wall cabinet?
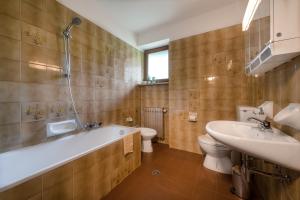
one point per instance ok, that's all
(273, 37)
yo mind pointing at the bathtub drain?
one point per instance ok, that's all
(155, 172)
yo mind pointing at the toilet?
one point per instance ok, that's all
(147, 135)
(217, 156)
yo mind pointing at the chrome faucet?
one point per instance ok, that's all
(264, 124)
(92, 125)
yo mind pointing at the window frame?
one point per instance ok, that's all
(146, 54)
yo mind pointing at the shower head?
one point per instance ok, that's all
(75, 21)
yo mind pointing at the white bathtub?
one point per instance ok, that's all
(23, 164)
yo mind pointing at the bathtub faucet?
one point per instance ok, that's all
(92, 125)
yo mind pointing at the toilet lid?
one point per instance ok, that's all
(148, 132)
(207, 139)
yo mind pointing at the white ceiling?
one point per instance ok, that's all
(128, 19)
(140, 15)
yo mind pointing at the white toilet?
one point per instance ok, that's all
(217, 155)
(147, 135)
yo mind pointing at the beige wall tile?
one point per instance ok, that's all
(206, 77)
(9, 70)
(54, 42)
(34, 54)
(57, 110)
(57, 10)
(33, 73)
(10, 48)
(36, 62)
(10, 92)
(10, 8)
(33, 132)
(10, 27)
(33, 35)
(281, 86)
(10, 113)
(37, 3)
(39, 92)
(155, 96)
(33, 15)
(10, 136)
(34, 111)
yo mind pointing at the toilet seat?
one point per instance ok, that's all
(207, 139)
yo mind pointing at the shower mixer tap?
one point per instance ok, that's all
(92, 125)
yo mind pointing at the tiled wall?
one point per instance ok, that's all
(206, 76)
(156, 96)
(89, 177)
(33, 91)
(282, 86)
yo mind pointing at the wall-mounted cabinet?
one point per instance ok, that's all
(273, 36)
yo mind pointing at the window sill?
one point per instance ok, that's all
(153, 84)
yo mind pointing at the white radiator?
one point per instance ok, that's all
(154, 118)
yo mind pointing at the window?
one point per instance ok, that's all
(157, 64)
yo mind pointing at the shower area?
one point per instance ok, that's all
(65, 69)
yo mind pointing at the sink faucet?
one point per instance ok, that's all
(263, 123)
(261, 111)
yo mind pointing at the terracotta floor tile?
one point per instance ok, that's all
(182, 177)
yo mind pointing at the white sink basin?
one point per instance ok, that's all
(270, 145)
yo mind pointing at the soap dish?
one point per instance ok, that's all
(62, 127)
(289, 116)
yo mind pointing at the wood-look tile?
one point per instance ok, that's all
(29, 190)
(102, 187)
(58, 183)
(84, 177)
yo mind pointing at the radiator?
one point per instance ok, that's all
(154, 118)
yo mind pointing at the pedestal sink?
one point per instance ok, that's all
(271, 144)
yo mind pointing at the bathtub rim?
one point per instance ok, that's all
(44, 170)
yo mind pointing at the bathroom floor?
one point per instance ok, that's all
(181, 177)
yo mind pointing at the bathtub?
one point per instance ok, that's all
(20, 165)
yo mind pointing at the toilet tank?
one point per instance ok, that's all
(244, 112)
